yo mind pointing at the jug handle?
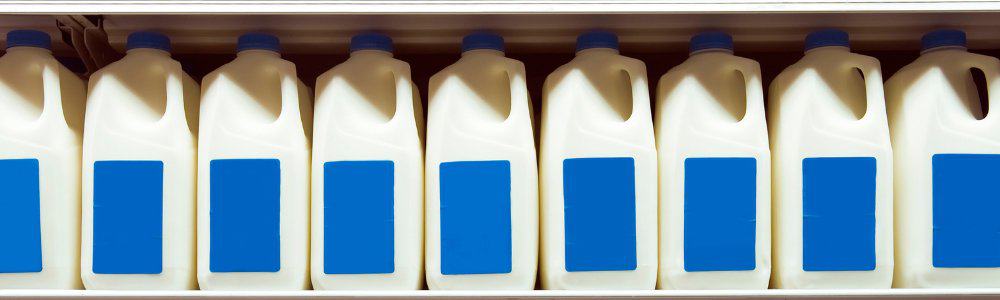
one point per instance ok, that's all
(636, 71)
(404, 93)
(991, 70)
(874, 93)
(519, 98)
(51, 92)
(289, 92)
(175, 92)
(754, 89)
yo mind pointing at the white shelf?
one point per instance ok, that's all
(487, 6)
(764, 294)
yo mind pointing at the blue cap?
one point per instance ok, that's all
(371, 41)
(827, 37)
(482, 40)
(711, 40)
(29, 38)
(943, 38)
(147, 39)
(597, 39)
(258, 41)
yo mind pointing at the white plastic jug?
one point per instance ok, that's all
(482, 182)
(253, 172)
(368, 173)
(41, 123)
(715, 171)
(832, 169)
(139, 159)
(947, 162)
(598, 172)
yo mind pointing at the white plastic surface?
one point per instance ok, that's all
(479, 110)
(818, 109)
(256, 107)
(597, 105)
(712, 105)
(934, 108)
(41, 117)
(144, 107)
(368, 108)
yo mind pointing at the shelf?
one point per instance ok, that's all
(491, 6)
(765, 294)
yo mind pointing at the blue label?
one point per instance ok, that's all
(720, 214)
(358, 217)
(244, 215)
(966, 210)
(128, 217)
(838, 214)
(475, 217)
(20, 217)
(599, 209)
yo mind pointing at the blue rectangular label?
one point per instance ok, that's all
(475, 217)
(720, 214)
(244, 215)
(599, 210)
(838, 213)
(128, 217)
(966, 210)
(20, 216)
(358, 217)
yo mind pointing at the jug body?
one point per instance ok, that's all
(598, 172)
(832, 162)
(482, 185)
(714, 164)
(253, 173)
(367, 174)
(947, 153)
(41, 128)
(139, 172)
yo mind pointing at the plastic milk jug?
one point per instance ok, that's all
(598, 172)
(41, 123)
(139, 159)
(368, 175)
(832, 167)
(947, 167)
(482, 182)
(253, 172)
(715, 171)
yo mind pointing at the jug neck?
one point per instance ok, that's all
(257, 53)
(711, 51)
(476, 52)
(147, 51)
(945, 49)
(593, 51)
(379, 53)
(28, 49)
(827, 49)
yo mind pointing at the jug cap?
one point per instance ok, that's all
(259, 41)
(29, 38)
(482, 40)
(371, 41)
(147, 39)
(827, 37)
(597, 39)
(711, 40)
(942, 38)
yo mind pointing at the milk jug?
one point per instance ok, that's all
(947, 163)
(482, 182)
(715, 171)
(598, 172)
(832, 167)
(139, 160)
(368, 175)
(253, 172)
(41, 123)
